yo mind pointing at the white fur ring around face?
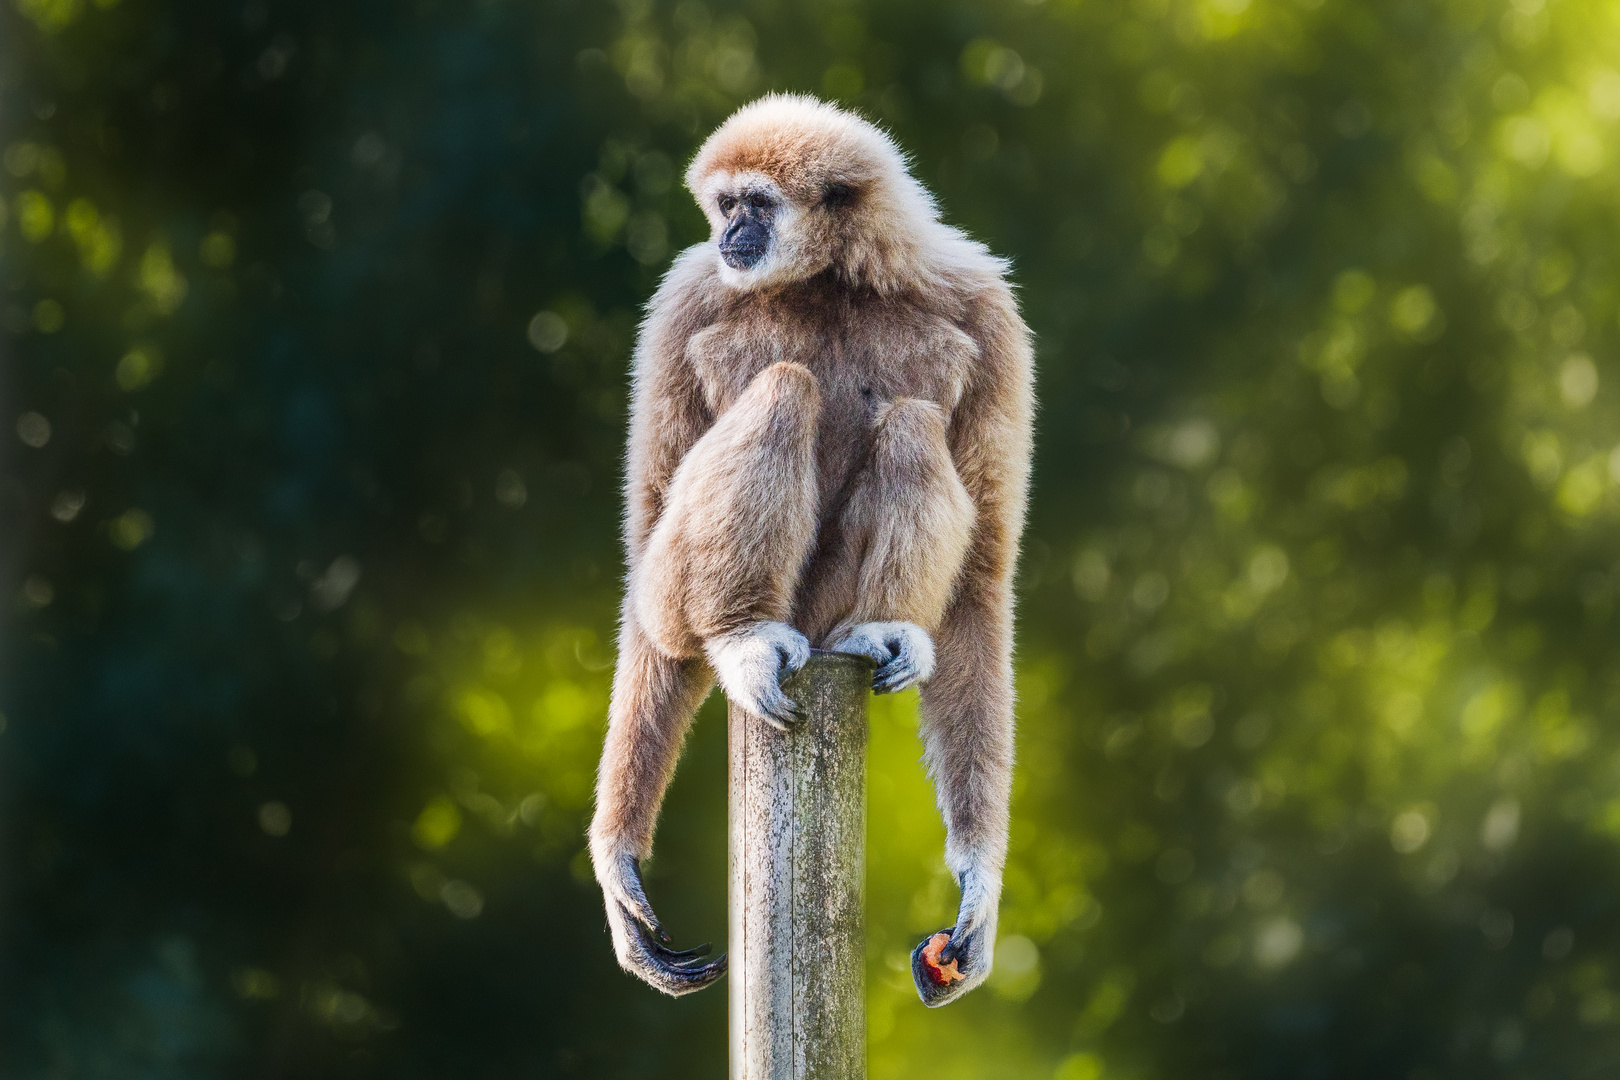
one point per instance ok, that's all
(903, 652)
(749, 664)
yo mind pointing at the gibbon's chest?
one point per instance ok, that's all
(861, 356)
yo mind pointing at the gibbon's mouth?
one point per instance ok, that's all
(742, 256)
(745, 243)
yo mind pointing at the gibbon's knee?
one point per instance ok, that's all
(739, 518)
(916, 515)
(909, 443)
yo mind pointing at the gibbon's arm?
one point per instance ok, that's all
(967, 726)
(708, 501)
(654, 695)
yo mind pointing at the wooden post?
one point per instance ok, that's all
(797, 881)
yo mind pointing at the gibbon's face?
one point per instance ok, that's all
(760, 233)
(748, 214)
(794, 188)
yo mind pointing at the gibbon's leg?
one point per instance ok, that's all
(911, 514)
(713, 582)
(722, 564)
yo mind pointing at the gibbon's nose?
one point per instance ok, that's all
(743, 243)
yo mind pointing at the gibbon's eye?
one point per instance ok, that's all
(727, 203)
(759, 200)
(837, 195)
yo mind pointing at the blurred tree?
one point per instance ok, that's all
(316, 322)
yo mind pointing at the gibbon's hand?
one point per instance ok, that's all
(639, 941)
(904, 653)
(948, 964)
(749, 664)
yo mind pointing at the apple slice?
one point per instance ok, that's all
(942, 974)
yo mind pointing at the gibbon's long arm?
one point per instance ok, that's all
(654, 698)
(967, 708)
(717, 566)
(654, 694)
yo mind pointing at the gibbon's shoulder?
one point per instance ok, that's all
(949, 273)
(969, 285)
(691, 285)
(965, 266)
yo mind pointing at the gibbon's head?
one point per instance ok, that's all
(793, 186)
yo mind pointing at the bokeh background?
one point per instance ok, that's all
(315, 323)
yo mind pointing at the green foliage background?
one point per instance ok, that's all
(315, 322)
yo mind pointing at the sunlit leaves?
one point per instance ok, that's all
(137, 367)
(1181, 162)
(217, 250)
(484, 713)
(437, 824)
(131, 529)
(605, 209)
(160, 280)
(547, 331)
(988, 63)
(1414, 314)
(33, 430)
(36, 217)
(52, 16)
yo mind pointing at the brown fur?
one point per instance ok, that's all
(840, 437)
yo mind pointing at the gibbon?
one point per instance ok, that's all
(830, 438)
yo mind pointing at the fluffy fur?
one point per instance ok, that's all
(830, 446)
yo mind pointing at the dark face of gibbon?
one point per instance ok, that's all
(747, 236)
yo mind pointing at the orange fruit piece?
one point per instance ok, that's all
(943, 974)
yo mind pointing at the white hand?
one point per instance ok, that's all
(903, 652)
(750, 663)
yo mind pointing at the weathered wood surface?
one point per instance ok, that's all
(797, 835)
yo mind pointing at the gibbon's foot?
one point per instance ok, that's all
(640, 943)
(903, 651)
(947, 964)
(749, 664)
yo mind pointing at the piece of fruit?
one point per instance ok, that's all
(943, 974)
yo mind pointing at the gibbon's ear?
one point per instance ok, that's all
(837, 194)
